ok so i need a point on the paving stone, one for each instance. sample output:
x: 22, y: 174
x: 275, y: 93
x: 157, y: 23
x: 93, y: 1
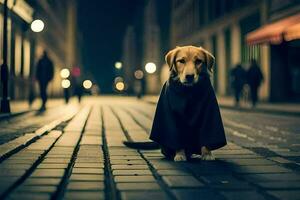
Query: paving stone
x: 245, y: 195
x: 129, y: 166
x: 29, y: 196
x: 85, y: 185
x: 89, y: 160
x: 135, y: 186
x: 167, y: 172
x: 145, y: 195
x: 36, y: 189
x: 19, y: 161
x: 14, y: 166
x: 88, y: 170
x: 164, y: 165
x: 128, y: 179
x: 184, y: 194
x: 48, y: 173
x: 87, y: 177
x: 272, y: 177
x: 91, y: 140
x: 246, y: 161
x: 124, y: 162
x: 280, y: 185
x: 12, y: 172
x: 52, y: 166
x: 182, y: 181
x: 260, y: 169
x: 42, y: 181
x: 89, y: 165
x: 56, y: 160
x: 131, y: 172
x: 280, y: 160
x: 82, y: 195
x: 125, y: 157
x: 286, y: 194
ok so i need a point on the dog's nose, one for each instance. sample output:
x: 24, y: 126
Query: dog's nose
x: 189, y: 78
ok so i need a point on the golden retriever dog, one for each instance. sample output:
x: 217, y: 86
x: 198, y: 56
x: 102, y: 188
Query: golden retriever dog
x: 187, y: 119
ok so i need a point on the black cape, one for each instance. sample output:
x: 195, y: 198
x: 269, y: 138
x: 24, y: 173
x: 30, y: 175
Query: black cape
x: 188, y: 117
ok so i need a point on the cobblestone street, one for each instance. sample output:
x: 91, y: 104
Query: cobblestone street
x: 76, y: 152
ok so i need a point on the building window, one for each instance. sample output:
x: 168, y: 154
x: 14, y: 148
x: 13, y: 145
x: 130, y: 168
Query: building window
x: 26, y: 61
x: 18, y: 54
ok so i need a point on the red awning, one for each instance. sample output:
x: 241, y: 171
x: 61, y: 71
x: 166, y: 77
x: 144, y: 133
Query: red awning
x: 286, y: 29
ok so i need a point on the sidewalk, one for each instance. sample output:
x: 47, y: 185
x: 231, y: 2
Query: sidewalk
x: 18, y: 107
x: 80, y: 155
x: 263, y: 107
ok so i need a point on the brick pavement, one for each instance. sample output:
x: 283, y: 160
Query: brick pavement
x: 81, y: 156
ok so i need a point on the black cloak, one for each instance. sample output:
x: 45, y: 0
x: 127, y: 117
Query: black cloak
x: 188, y: 117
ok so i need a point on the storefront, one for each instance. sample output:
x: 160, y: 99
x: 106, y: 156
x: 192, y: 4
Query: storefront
x: 283, y: 38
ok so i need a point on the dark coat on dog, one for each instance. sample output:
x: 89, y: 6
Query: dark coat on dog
x: 188, y: 117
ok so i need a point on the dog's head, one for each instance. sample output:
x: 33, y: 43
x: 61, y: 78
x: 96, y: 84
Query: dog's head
x: 187, y: 62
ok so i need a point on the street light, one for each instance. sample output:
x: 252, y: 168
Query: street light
x: 65, y: 83
x: 120, y: 86
x: 87, y: 84
x: 37, y: 25
x: 118, y: 65
x: 150, y: 67
x: 65, y: 73
x: 5, y: 107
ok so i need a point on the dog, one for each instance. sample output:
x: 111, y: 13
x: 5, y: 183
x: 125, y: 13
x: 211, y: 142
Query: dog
x: 187, y: 119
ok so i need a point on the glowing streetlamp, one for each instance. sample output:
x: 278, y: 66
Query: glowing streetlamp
x: 64, y: 73
x: 65, y: 83
x: 120, y: 86
x: 37, y: 25
x: 139, y: 74
x: 87, y: 84
x: 118, y: 65
x: 150, y: 68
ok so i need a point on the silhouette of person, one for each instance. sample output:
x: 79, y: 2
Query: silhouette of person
x: 238, y: 80
x: 78, y: 91
x: 44, y: 74
x: 254, y: 77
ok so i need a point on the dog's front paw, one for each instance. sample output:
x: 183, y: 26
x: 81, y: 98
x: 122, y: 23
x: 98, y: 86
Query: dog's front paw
x: 180, y: 156
x: 206, y: 154
x: 208, y: 157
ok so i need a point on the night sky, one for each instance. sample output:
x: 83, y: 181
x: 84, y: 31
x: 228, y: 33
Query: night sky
x: 102, y: 25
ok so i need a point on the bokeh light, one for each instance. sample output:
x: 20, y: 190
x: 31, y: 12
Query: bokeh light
x: 65, y: 83
x: 64, y: 73
x: 139, y: 74
x: 87, y: 84
x: 37, y: 25
x: 118, y: 65
x: 150, y: 67
x: 120, y: 86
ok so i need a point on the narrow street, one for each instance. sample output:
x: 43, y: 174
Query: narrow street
x: 76, y: 152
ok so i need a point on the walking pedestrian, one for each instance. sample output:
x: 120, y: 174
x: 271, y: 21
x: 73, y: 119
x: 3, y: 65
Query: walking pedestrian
x: 255, y: 78
x: 238, y: 80
x: 44, y: 74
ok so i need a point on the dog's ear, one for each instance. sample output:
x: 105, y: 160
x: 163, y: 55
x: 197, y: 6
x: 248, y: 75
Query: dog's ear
x: 210, y: 59
x: 170, y: 58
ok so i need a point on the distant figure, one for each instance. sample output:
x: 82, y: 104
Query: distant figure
x: 78, y: 91
x: 44, y: 74
x: 238, y: 80
x: 254, y: 77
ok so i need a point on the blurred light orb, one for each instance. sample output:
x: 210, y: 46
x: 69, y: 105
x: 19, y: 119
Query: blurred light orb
x: 87, y: 84
x: 65, y: 73
x: 150, y: 67
x: 65, y: 83
x: 119, y: 79
x: 139, y: 74
x: 118, y: 65
x: 37, y: 25
x: 120, y: 86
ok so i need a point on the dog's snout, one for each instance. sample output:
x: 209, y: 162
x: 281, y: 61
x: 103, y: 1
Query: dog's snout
x: 189, y: 78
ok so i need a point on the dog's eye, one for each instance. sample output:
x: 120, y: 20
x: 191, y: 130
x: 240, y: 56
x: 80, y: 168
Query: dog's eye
x: 198, y: 61
x: 181, y: 61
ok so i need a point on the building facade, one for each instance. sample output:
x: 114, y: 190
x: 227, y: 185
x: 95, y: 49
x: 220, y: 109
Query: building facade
x: 25, y: 47
x: 222, y: 26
